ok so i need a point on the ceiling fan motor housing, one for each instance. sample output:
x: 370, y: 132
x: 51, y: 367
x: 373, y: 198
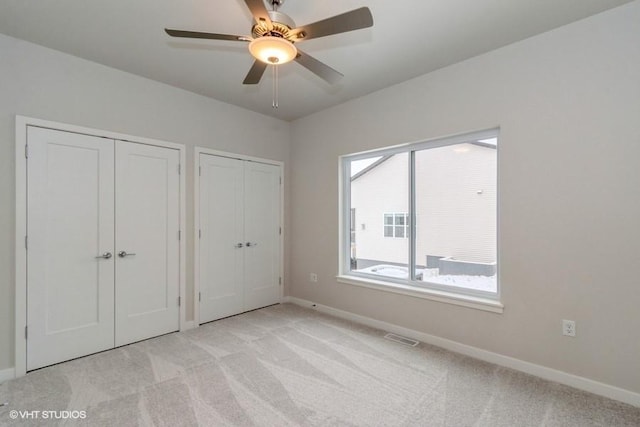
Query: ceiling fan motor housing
x: 282, y: 26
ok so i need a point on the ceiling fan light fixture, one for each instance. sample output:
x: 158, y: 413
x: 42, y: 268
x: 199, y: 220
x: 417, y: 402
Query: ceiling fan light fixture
x: 273, y: 50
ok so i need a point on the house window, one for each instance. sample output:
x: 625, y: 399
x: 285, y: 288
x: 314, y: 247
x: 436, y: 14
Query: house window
x: 396, y: 225
x: 438, y: 205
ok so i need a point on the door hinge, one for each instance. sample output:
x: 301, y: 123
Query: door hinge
x: 26, y: 151
x: 179, y: 301
x: 26, y: 242
x: 279, y: 280
x: 179, y: 234
x: 26, y: 332
x: 199, y: 296
x: 280, y: 232
x: 199, y: 234
x: 179, y: 169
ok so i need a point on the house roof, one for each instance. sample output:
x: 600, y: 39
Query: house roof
x: 492, y: 144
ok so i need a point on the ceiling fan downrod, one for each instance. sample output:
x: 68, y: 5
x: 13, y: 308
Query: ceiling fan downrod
x: 275, y: 4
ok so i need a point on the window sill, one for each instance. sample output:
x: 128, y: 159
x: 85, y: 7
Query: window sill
x: 468, y: 301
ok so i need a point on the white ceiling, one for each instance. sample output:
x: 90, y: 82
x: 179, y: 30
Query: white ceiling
x: 409, y: 38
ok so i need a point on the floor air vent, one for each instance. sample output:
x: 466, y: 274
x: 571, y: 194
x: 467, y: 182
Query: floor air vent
x: 402, y: 340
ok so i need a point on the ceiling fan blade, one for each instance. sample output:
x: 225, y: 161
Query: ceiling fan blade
x: 255, y: 73
x: 259, y: 12
x: 198, y: 35
x: 320, y: 69
x: 349, y: 21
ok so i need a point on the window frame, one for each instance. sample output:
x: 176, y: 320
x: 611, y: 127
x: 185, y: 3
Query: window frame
x: 410, y: 285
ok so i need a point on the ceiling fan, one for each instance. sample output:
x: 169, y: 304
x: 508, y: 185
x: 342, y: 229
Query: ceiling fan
x: 274, y: 34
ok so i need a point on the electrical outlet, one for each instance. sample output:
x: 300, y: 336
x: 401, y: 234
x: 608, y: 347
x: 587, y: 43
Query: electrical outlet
x: 569, y: 328
x: 313, y: 277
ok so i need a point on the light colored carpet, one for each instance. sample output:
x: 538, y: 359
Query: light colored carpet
x: 289, y: 366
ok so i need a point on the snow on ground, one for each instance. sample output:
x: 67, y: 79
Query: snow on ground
x: 430, y: 275
x: 480, y: 283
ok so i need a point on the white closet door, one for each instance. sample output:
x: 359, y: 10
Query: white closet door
x: 147, y: 246
x: 221, y: 243
x: 262, y: 235
x: 70, y: 225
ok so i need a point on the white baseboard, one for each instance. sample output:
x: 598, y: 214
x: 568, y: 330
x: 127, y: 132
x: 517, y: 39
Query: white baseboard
x: 7, y: 374
x: 544, y: 372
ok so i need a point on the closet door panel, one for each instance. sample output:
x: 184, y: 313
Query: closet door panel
x: 221, y: 243
x: 147, y: 241
x: 70, y: 287
x: 261, y: 232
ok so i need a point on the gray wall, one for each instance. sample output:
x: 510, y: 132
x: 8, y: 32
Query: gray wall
x: 47, y: 84
x: 568, y: 105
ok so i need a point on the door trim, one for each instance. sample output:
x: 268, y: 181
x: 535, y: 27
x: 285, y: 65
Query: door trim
x: 196, y: 208
x: 22, y: 122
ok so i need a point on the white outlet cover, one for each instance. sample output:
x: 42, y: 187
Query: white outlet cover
x: 568, y: 328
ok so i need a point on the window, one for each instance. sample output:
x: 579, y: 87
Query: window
x: 396, y: 225
x: 427, y: 214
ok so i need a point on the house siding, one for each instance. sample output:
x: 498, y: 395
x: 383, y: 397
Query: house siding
x: 455, y: 205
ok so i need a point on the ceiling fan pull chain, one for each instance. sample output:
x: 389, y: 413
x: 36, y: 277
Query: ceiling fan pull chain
x: 275, y: 86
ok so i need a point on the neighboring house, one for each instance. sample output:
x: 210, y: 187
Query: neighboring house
x: 455, y: 206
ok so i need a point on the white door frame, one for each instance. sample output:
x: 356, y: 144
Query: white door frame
x: 22, y: 123
x: 196, y: 208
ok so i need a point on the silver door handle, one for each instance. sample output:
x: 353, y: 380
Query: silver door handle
x: 105, y: 255
x: 249, y: 244
x: 239, y: 245
x: 123, y: 254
